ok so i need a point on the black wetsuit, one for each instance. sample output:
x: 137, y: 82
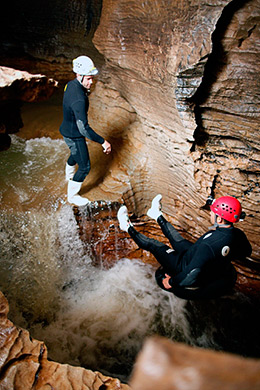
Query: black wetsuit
x: 75, y: 127
x: 195, y: 264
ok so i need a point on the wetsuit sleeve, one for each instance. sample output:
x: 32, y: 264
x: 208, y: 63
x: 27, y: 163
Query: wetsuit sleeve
x: 82, y: 122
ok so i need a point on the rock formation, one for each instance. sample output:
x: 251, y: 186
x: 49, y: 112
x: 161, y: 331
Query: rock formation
x: 189, y: 73
x: 166, y: 365
x: 177, y: 96
x: 16, y: 87
x: 24, y: 364
x: 162, y: 364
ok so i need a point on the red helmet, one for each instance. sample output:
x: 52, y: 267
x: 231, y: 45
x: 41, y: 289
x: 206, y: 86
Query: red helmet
x: 227, y: 207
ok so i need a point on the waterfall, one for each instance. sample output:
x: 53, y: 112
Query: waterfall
x: 92, y: 316
x: 88, y: 316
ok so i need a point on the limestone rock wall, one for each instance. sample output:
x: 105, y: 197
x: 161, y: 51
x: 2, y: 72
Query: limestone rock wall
x: 190, y: 72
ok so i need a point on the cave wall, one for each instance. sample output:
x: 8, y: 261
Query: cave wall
x: 177, y: 94
x: 45, y: 36
x: 190, y: 72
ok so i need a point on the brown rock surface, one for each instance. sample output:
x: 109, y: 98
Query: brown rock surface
x: 16, y: 87
x: 24, y: 364
x: 21, y: 85
x: 190, y: 72
x: 165, y: 365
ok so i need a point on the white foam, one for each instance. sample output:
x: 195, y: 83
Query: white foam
x: 87, y: 316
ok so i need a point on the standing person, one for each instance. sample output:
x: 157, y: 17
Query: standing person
x: 195, y: 270
x: 75, y: 127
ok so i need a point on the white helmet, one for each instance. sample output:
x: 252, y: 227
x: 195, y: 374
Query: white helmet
x: 84, y: 66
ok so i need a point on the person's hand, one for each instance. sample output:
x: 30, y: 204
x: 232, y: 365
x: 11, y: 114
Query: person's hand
x: 107, y: 147
x: 166, y: 283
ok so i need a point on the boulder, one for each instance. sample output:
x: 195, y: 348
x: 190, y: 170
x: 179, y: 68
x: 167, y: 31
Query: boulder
x: 166, y: 365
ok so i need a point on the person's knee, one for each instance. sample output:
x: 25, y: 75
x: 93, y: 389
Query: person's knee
x: 71, y: 161
x: 84, y: 169
x: 82, y: 172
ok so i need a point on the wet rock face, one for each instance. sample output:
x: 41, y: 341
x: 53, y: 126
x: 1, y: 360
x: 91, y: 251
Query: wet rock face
x: 103, y: 239
x: 190, y: 73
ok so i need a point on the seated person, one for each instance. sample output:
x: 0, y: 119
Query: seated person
x: 195, y: 270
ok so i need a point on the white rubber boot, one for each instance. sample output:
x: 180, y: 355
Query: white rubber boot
x: 123, y: 219
x: 69, y: 171
x: 73, y: 197
x: 155, y: 211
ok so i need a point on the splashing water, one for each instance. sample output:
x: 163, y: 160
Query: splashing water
x: 94, y: 317
x: 87, y: 316
x: 29, y: 173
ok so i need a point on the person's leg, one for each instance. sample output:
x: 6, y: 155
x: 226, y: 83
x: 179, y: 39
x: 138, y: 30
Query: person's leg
x: 71, y: 161
x: 79, y: 155
x: 144, y: 242
x: 179, y: 243
x: 70, y: 168
x: 82, y: 159
x: 165, y: 255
